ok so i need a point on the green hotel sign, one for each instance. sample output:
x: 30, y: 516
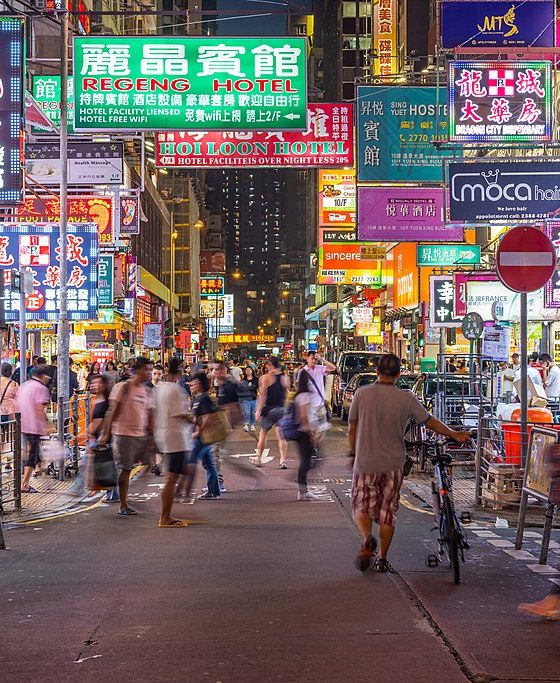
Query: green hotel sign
x: 156, y: 83
x: 447, y: 254
x: 46, y: 92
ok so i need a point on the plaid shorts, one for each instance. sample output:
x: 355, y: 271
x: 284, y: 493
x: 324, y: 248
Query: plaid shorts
x: 377, y: 495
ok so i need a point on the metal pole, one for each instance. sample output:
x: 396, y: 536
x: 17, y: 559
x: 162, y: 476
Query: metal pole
x: 335, y: 345
x: 523, y: 397
x: 22, y: 330
x: 172, y: 271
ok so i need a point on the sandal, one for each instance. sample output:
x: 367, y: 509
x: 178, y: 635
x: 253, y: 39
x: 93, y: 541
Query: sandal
x: 365, y: 556
x: 174, y: 524
x: 126, y: 512
x: 256, y: 462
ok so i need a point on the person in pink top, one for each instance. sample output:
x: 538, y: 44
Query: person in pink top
x: 33, y: 400
x: 8, y: 396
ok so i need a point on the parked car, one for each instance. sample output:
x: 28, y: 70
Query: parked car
x: 364, y: 378
x: 351, y: 363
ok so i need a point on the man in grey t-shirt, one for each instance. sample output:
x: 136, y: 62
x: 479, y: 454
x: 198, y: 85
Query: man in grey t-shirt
x: 378, y: 419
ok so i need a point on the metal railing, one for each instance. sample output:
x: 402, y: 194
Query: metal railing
x: 73, y: 418
x: 10, y: 464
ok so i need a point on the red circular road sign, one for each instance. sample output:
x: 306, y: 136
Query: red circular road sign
x: 526, y: 259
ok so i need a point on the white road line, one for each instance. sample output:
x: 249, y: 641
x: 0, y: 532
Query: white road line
x: 520, y: 555
x: 501, y: 543
x: 542, y: 569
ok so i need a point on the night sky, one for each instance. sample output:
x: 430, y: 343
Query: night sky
x: 262, y: 25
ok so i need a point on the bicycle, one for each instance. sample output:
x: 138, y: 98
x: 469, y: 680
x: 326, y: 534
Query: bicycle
x: 452, y: 539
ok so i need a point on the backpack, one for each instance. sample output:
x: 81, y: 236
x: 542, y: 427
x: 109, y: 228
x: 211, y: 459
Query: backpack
x: 289, y: 424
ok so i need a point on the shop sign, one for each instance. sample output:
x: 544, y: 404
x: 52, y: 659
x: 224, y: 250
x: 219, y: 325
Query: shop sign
x: 479, y: 296
x: 504, y: 191
x: 106, y: 315
x: 99, y: 163
x: 212, y: 261
x: 442, y: 297
x: 101, y: 355
x: 81, y: 209
x: 491, y: 23
x: 447, y: 254
x: 106, y: 280
x: 245, y: 338
x: 338, y: 234
x: 129, y: 216
x: 552, y: 287
x: 342, y: 264
x: 337, y: 198
x: 328, y: 141
x: 362, y: 315
x: 500, y: 101
x: 212, y: 285
x: 225, y: 323
x: 385, y: 45
x: 403, y: 214
x: 36, y: 246
x: 169, y: 83
x: 405, y: 277
x: 46, y: 92
x: 372, y: 251
x: 371, y: 329
x: 212, y: 308
x: 496, y: 342
x: 12, y: 61
x: 153, y: 335
x: 397, y: 127
x: 348, y: 322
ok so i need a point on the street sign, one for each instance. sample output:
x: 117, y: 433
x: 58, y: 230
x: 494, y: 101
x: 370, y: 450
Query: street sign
x: 372, y: 252
x: 526, y: 259
x: 166, y: 83
x: 447, y: 254
x: 472, y: 326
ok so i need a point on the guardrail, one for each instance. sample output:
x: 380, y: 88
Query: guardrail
x: 73, y: 417
x: 10, y: 464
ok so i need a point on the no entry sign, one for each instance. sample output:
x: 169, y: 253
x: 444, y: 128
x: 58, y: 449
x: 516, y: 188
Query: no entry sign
x: 526, y: 259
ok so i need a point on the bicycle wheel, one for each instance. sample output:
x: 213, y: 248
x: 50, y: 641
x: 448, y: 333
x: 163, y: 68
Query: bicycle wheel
x: 452, y: 539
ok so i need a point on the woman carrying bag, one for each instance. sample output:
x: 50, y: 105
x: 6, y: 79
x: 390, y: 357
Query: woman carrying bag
x: 103, y: 472
x: 305, y: 415
x: 8, y: 399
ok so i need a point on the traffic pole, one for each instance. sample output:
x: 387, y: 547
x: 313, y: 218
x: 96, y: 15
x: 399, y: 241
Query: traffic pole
x: 63, y: 372
x: 524, y: 401
x: 22, y: 330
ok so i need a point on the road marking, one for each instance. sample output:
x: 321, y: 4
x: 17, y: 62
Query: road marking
x: 264, y: 459
x: 542, y: 569
x: 501, y: 543
x: 485, y: 534
x: 520, y: 555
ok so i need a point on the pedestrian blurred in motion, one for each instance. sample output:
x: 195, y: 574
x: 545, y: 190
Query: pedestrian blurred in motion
x: 8, y: 400
x: 173, y: 436
x: 235, y: 371
x: 273, y: 387
x: 306, y: 419
x: 318, y: 368
x: 248, y: 402
x: 99, y: 406
x: 33, y: 401
x: 129, y: 422
x: 229, y: 393
x: 111, y: 374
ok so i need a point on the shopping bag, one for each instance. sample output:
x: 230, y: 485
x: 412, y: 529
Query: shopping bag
x: 52, y: 450
x: 215, y: 428
x: 104, y: 471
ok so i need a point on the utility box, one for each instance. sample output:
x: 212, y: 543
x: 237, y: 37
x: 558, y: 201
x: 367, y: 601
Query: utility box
x: 428, y: 364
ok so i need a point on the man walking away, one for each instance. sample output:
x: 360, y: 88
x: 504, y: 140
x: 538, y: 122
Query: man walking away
x: 235, y: 371
x: 173, y: 437
x: 33, y: 399
x: 379, y: 416
x: 130, y: 421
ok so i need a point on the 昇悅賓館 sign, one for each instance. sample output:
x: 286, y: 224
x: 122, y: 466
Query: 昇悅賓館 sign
x: 172, y: 83
x: 403, y: 214
x: 328, y: 141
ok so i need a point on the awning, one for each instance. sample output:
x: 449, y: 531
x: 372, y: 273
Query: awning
x: 398, y: 314
x: 34, y: 116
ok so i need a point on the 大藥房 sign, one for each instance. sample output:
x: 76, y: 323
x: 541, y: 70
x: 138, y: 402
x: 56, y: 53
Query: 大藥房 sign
x: 337, y: 197
x: 403, y: 214
x: 447, y: 254
x: 36, y: 246
x: 106, y: 280
x: 504, y: 190
x: 328, y: 141
x: 500, y: 101
x: 98, y: 163
x: 491, y: 23
x: 442, y: 297
x: 46, y: 92
x: 199, y: 83
x: 12, y: 62
x: 81, y: 209
x: 396, y: 130
x: 212, y: 285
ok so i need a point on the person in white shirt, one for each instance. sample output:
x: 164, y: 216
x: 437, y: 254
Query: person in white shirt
x: 552, y: 384
x: 173, y: 436
x: 236, y: 372
x: 533, y: 374
x: 318, y: 368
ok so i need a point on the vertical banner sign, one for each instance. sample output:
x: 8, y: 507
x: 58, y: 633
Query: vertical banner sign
x: 130, y: 216
x: 397, y: 128
x: 168, y: 83
x: 212, y: 285
x: 106, y: 270
x: 500, y: 101
x: 552, y: 287
x: 12, y: 63
x: 46, y: 92
x: 442, y: 297
x: 337, y: 198
x: 385, y: 37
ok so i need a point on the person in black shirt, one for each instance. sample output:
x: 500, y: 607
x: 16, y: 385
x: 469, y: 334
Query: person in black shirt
x: 248, y: 400
x: 100, y: 405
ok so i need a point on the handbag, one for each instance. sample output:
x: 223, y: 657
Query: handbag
x: 215, y: 428
x: 329, y: 411
x: 289, y: 424
x: 104, y: 474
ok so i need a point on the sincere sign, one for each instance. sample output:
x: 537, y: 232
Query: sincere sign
x: 492, y: 23
x: 12, y: 61
x: 37, y: 247
x: 328, y: 141
x: 447, y: 254
x: 504, y: 190
x: 337, y: 197
x: 212, y: 285
x: 442, y: 295
x: 397, y: 127
x: 343, y: 264
x: 168, y: 83
x: 46, y: 92
x: 403, y: 214
x: 500, y: 101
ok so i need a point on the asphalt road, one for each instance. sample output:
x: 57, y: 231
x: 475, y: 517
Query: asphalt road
x: 261, y: 588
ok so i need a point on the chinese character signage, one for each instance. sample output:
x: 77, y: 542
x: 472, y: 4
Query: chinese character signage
x: 328, y: 141
x: 12, y: 61
x: 403, y: 214
x: 168, y: 83
x: 504, y: 191
x: 212, y: 308
x: 46, y: 92
x: 212, y: 261
x: 81, y: 209
x: 442, y: 296
x: 552, y: 287
x: 36, y: 246
x: 499, y: 101
x: 212, y: 285
x: 224, y: 323
x: 492, y: 23
x: 129, y: 216
x: 385, y: 46
x: 341, y: 263
x: 447, y: 254
x: 397, y: 127
x: 98, y: 163
x: 245, y: 338
x: 106, y: 279
x: 337, y: 197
